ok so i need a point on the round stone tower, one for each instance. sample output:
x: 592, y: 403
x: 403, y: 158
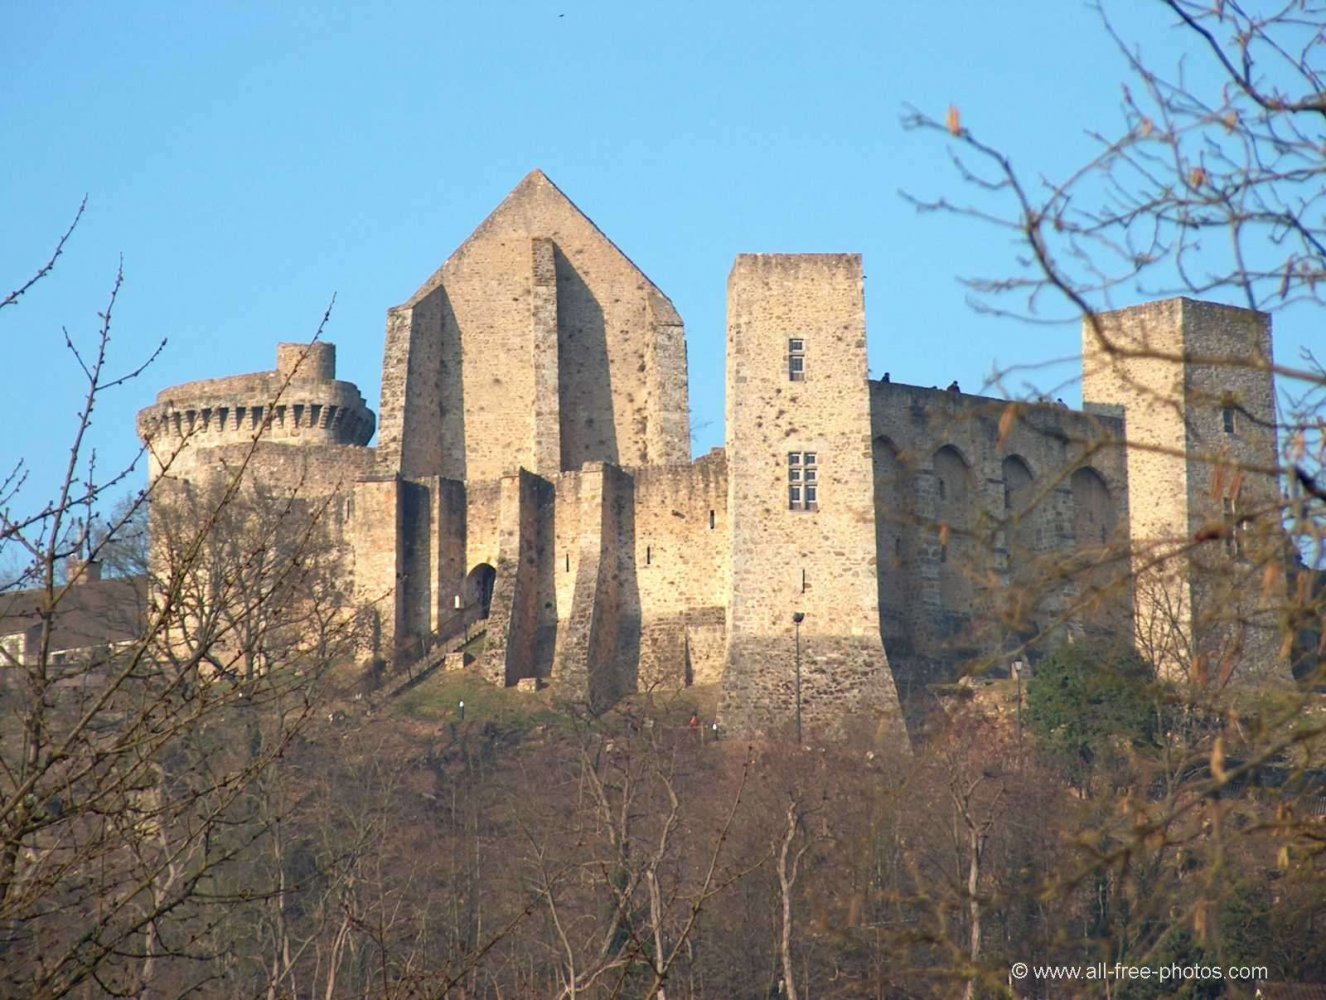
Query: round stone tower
x: 195, y: 427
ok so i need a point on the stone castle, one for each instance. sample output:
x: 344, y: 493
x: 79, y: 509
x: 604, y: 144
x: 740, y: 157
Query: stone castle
x: 853, y: 541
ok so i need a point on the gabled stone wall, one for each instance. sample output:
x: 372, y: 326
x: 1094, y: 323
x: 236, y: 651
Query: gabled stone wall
x: 538, y: 344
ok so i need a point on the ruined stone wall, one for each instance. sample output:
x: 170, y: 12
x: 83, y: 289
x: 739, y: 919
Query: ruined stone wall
x: 450, y: 555
x: 516, y: 648
x: 422, y: 422
x: 681, y: 536
x: 482, y: 506
x: 414, y: 587
x: 598, y: 643
x: 819, y: 562
x: 1177, y: 368
x: 682, y: 547
x: 377, y: 543
x: 977, y: 526
x: 472, y: 363
x: 706, y: 645
x: 566, y: 546
x: 429, y: 566
x: 642, y: 559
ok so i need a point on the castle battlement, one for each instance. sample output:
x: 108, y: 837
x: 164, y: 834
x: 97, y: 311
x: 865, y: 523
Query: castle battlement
x: 301, y: 401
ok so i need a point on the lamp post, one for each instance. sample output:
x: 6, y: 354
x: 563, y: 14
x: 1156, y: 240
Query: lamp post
x: 797, y: 618
x: 1017, y: 672
x: 462, y: 710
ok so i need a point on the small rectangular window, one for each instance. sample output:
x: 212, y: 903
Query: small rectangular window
x: 1227, y: 416
x: 1234, y: 528
x: 796, y: 359
x: 802, y: 480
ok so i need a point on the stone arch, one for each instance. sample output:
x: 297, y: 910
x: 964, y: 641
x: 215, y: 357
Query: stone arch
x: 1021, y: 519
x: 1094, y: 514
x: 895, y: 533
x: 954, y: 497
x: 1097, y: 578
x: 479, y: 588
x: 952, y: 477
x: 1017, y: 478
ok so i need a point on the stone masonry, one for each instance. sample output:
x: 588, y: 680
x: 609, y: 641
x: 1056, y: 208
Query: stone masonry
x: 855, y: 540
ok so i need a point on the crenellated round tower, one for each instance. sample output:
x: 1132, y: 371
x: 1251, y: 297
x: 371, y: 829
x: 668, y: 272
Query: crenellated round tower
x: 196, y: 426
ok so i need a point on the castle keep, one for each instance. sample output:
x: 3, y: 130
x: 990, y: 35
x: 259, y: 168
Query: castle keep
x: 533, y: 470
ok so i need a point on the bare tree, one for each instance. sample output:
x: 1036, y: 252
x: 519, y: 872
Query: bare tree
x: 1210, y: 184
x: 132, y: 746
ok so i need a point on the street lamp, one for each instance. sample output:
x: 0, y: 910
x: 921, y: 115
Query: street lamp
x: 462, y: 710
x: 797, y: 618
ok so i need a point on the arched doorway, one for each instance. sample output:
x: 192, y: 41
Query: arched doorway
x: 479, y: 588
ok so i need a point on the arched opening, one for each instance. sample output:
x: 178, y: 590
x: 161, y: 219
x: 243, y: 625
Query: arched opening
x: 1093, y: 509
x: 479, y: 589
x: 1094, y: 523
x: 1021, y: 528
x: 1025, y: 589
x: 891, y: 504
x: 895, y: 528
x: 952, y: 507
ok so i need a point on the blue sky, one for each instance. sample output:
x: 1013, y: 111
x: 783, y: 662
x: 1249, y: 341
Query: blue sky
x: 250, y: 160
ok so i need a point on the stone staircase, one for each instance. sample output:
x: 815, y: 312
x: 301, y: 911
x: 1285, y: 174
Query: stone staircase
x: 446, y: 642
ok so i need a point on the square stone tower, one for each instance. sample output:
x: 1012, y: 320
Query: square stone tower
x: 1194, y: 383
x: 801, y: 504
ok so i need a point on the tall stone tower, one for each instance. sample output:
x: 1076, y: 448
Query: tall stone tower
x: 803, y: 639
x: 1193, y: 381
